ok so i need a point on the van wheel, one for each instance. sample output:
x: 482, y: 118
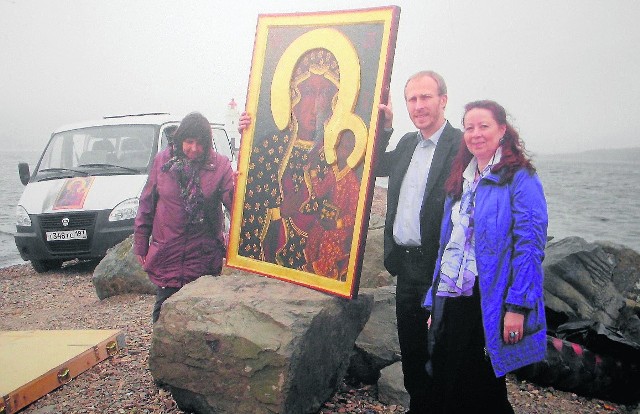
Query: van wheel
x: 42, y: 266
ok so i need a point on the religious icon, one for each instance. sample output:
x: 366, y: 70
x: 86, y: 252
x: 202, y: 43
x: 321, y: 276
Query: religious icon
x: 305, y: 186
x: 73, y: 193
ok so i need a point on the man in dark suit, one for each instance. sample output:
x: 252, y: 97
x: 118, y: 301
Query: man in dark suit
x: 417, y: 169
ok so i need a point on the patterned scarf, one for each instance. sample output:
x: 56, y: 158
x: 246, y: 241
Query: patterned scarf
x: 188, y: 176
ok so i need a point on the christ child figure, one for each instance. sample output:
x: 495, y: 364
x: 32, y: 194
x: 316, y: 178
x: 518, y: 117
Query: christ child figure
x: 328, y: 245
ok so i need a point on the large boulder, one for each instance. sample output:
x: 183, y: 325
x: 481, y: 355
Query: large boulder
x: 579, y: 284
x: 377, y: 345
x: 391, y: 389
x: 373, y: 273
x: 119, y: 273
x: 571, y: 367
x: 626, y: 274
x: 242, y: 343
x: 626, y: 277
x: 591, y: 292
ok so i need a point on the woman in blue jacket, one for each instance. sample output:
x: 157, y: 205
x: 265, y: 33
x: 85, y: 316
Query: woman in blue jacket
x: 486, y: 301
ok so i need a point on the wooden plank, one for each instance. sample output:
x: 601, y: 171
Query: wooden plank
x: 35, y: 363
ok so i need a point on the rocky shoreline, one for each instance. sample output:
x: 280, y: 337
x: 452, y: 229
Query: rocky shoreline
x: 122, y: 384
x: 67, y: 299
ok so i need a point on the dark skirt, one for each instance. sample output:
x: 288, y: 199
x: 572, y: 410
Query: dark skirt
x: 464, y: 380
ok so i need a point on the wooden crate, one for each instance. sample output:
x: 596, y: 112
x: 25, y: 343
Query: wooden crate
x: 35, y: 363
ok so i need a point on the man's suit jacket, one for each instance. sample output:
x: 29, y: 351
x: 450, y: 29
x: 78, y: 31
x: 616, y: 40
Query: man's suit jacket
x: 394, y: 164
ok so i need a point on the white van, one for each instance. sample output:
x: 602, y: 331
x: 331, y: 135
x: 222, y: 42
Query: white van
x: 82, y: 196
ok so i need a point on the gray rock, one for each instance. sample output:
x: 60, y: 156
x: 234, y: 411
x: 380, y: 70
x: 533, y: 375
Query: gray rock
x: 373, y: 273
x: 377, y: 345
x: 626, y: 278
x: 579, y: 283
x: 243, y: 343
x: 119, y: 273
x: 391, y: 386
x: 376, y: 221
x: 590, y: 297
x: 626, y: 274
x: 574, y: 368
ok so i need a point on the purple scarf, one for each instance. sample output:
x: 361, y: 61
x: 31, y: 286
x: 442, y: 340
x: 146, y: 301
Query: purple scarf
x: 188, y: 176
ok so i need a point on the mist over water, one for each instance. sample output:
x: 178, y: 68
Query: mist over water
x: 591, y: 197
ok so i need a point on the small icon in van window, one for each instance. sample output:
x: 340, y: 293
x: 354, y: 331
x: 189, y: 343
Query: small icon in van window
x: 73, y: 193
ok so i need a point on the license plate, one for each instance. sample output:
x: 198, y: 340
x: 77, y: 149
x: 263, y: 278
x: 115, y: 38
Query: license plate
x: 66, y: 235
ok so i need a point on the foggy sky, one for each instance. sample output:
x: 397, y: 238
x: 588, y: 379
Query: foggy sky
x: 566, y: 71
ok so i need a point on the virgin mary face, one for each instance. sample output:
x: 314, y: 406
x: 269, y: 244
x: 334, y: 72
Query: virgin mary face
x: 314, y: 108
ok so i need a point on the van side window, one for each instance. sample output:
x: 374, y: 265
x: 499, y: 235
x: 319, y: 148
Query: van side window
x: 165, y: 136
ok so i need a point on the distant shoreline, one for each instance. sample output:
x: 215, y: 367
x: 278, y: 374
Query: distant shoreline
x: 604, y: 154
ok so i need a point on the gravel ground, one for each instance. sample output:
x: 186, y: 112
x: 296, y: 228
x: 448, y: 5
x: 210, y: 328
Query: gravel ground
x: 122, y: 384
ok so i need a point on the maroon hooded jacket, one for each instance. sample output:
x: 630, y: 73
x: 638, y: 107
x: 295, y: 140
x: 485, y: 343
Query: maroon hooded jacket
x: 180, y: 253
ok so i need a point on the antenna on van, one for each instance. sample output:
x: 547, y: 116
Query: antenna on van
x: 143, y: 114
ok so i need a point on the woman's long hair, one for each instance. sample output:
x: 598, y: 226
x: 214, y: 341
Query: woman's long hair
x: 514, y: 155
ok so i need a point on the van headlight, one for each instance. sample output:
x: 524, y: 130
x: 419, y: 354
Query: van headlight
x: 126, y: 210
x: 22, y: 217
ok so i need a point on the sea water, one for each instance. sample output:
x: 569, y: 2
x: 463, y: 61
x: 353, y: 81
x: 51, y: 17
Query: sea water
x: 590, y: 198
x: 11, y: 189
x: 598, y: 200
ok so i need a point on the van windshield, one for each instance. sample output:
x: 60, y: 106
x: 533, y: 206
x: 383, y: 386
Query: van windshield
x: 118, y: 149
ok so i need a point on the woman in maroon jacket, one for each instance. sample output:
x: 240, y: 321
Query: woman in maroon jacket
x: 181, y: 209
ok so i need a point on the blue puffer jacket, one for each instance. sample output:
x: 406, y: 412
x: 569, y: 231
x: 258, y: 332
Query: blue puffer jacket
x: 510, y: 236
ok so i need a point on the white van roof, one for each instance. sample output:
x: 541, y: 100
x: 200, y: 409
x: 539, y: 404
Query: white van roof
x: 155, y: 118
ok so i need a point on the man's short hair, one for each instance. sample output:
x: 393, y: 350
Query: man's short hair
x: 442, y: 86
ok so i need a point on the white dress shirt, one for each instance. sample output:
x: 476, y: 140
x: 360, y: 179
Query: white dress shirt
x: 406, y: 227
